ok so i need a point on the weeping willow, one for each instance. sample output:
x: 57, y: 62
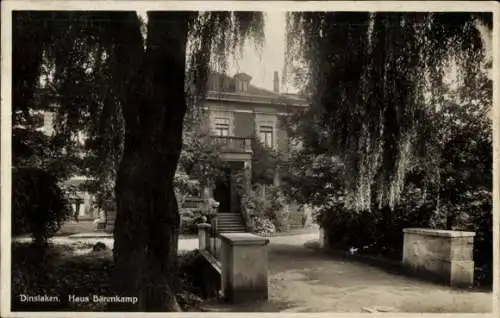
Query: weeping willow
x: 127, y: 82
x: 372, y: 79
x: 72, y: 53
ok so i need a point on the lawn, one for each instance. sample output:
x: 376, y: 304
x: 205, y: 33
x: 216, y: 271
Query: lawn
x: 73, y: 269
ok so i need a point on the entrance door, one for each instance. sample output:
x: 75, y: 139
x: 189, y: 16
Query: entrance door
x: 222, y: 194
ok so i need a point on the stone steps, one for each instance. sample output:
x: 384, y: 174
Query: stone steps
x: 230, y: 223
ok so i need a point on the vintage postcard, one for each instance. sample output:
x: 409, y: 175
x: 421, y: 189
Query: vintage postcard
x: 249, y: 157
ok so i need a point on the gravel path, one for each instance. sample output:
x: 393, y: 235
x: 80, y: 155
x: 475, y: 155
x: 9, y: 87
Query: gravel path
x: 308, y: 280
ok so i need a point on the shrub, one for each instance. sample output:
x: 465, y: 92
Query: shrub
x: 379, y: 231
x: 263, y: 226
x: 276, y: 209
x: 198, y: 280
x: 478, y: 217
x: 253, y: 203
x: 190, y: 218
x: 39, y: 206
x: 271, y: 206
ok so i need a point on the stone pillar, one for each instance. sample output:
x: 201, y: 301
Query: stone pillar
x: 244, y: 267
x: 204, y: 236
x: 446, y: 255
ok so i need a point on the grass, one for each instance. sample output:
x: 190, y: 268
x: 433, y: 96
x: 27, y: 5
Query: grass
x: 62, y: 270
x: 56, y: 271
x: 83, y: 226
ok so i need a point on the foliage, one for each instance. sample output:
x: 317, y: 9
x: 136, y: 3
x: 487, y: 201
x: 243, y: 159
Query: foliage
x: 190, y: 218
x: 39, y: 206
x: 378, y: 231
x: 200, y: 165
x: 265, y: 162
x: 458, y: 196
x: 253, y: 203
x: 199, y: 279
x: 464, y: 144
x: 200, y: 157
x: 104, y: 148
x: 185, y: 186
x: 32, y: 148
x: 269, y: 205
x: 373, y: 114
x: 263, y: 226
x: 447, y: 179
x: 276, y: 209
x: 310, y: 163
x: 57, y: 271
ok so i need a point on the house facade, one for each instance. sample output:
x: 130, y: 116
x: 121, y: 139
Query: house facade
x: 238, y: 112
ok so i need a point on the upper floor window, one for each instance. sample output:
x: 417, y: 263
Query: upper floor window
x: 222, y: 127
x: 266, y: 135
x: 241, y: 85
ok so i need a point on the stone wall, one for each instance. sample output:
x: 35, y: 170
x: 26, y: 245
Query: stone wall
x: 444, y: 255
x: 244, y: 267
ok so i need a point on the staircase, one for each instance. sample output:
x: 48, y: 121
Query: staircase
x: 230, y: 223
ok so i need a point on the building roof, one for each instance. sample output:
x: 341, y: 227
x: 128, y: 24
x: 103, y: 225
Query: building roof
x: 227, y: 90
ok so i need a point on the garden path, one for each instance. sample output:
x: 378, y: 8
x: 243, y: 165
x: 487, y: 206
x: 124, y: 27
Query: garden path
x: 308, y: 280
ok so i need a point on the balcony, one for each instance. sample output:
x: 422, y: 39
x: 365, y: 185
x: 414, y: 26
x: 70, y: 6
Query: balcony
x: 233, y: 144
x: 234, y: 148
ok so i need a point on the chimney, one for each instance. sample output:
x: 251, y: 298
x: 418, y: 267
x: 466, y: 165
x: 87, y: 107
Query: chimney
x: 276, y: 83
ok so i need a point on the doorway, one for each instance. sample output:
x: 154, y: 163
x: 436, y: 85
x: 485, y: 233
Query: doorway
x: 222, y: 194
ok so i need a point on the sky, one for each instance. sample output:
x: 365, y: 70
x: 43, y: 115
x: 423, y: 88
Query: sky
x: 262, y: 65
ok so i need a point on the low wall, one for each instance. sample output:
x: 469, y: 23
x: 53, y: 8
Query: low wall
x: 444, y: 255
x: 234, y: 264
x: 244, y: 267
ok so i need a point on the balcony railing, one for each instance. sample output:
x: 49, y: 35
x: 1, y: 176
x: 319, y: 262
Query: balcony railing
x: 233, y: 144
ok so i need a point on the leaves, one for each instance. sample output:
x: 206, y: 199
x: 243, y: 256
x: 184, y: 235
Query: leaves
x: 369, y: 76
x: 200, y: 158
x: 39, y: 206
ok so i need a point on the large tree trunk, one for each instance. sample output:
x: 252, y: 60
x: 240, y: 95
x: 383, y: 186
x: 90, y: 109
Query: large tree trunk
x: 147, y: 221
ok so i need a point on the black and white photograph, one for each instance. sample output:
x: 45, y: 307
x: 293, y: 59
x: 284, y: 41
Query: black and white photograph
x: 248, y: 157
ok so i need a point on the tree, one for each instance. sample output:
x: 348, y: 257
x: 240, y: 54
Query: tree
x: 39, y: 205
x: 446, y: 180
x: 265, y: 161
x: 312, y: 174
x: 462, y: 149
x: 200, y: 163
x: 152, y: 95
x: 200, y: 157
x: 368, y: 74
